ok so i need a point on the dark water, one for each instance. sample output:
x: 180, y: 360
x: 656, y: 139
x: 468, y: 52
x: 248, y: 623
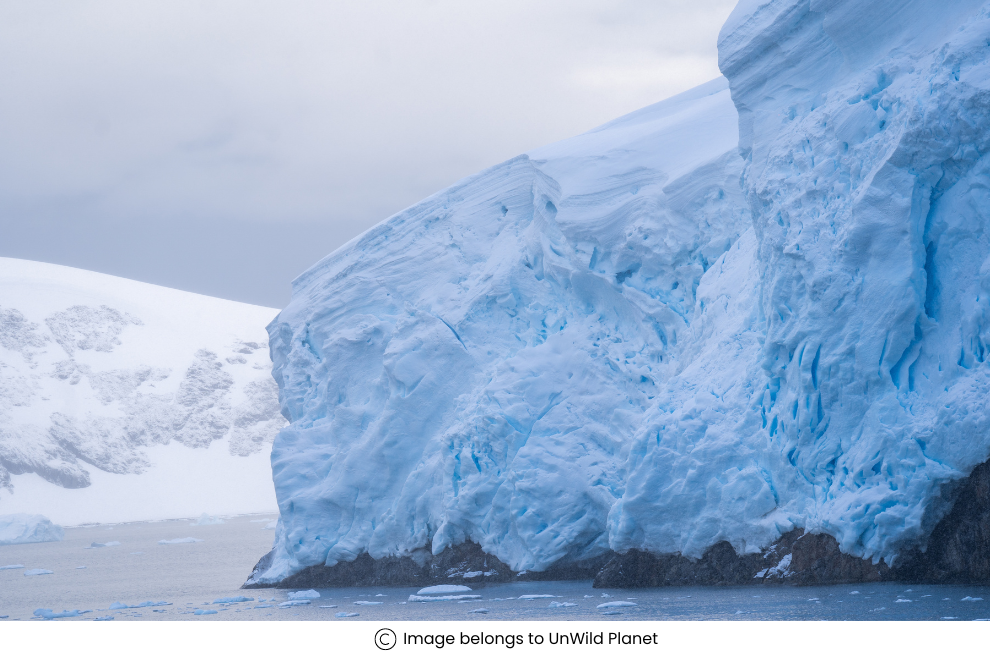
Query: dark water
x: 191, y: 576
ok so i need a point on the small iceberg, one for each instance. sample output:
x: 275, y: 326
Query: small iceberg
x: 188, y: 539
x: 301, y: 595
x: 64, y: 614
x: 232, y: 599
x: 432, y: 599
x: 17, y: 528
x: 617, y: 603
x: 443, y: 589
x: 202, y: 612
x: 208, y: 520
x: 37, y: 571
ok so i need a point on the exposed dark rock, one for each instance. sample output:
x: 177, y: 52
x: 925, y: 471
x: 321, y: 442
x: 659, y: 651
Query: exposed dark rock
x: 796, y: 558
x: 958, y: 550
x: 463, y: 564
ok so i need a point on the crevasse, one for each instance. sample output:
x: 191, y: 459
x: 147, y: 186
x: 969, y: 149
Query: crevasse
x: 755, y: 306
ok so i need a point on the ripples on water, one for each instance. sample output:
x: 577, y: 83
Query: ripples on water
x: 129, y: 566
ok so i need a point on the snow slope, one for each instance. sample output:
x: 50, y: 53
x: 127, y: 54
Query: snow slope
x: 687, y: 326
x: 127, y: 401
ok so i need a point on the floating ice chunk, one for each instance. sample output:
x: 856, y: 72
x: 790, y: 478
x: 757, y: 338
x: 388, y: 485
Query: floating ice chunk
x: 970, y: 599
x: 948, y: 618
x: 367, y: 602
x: 293, y: 603
x: 37, y: 571
x: 232, y: 599
x: 298, y: 595
x: 272, y: 525
x: 79, y: 568
x: 586, y: 596
x: 617, y: 603
x: 606, y: 596
x: 104, y: 618
x: 472, y: 574
x: 16, y: 528
x: 202, y: 612
x: 10, y: 567
x: 148, y: 603
x: 208, y: 520
x: 347, y: 614
x: 739, y: 612
x: 535, y: 596
x: 188, y: 539
x: 443, y: 589
x: 431, y: 599
x: 108, y: 544
x: 610, y: 613
x: 559, y: 604
x: 328, y: 607
x: 480, y: 610
x: 49, y: 614
x: 903, y: 600
x: 263, y: 607
x: 853, y: 593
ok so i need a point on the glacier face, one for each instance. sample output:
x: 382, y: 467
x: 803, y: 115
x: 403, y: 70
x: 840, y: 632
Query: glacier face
x: 474, y: 367
x: 105, y: 382
x: 716, y: 319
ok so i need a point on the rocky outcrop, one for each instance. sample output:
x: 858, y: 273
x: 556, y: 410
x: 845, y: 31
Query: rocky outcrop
x: 958, y: 550
x: 797, y: 558
x: 466, y: 563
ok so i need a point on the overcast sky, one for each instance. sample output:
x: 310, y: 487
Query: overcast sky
x: 224, y: 146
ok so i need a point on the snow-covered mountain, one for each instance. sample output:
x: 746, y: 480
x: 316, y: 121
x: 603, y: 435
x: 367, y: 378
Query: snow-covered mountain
x: 121, y: 400
x: 721, y: 318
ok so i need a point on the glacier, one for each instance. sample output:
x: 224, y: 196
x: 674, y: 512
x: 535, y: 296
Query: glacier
x: 757, y: 307
x: 122, y: 401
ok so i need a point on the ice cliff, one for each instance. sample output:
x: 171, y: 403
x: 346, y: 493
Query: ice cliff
x: 758, y: 306
x: 24, y: 528
x: 126, y: 401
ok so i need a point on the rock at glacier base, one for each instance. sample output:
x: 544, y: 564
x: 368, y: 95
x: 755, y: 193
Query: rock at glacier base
x: 16, y: 528
x: 465, y: 563
x: 958, y: 551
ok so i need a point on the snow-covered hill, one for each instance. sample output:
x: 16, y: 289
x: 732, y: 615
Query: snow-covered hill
x: 121, y: 400
x: 685, y: 327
